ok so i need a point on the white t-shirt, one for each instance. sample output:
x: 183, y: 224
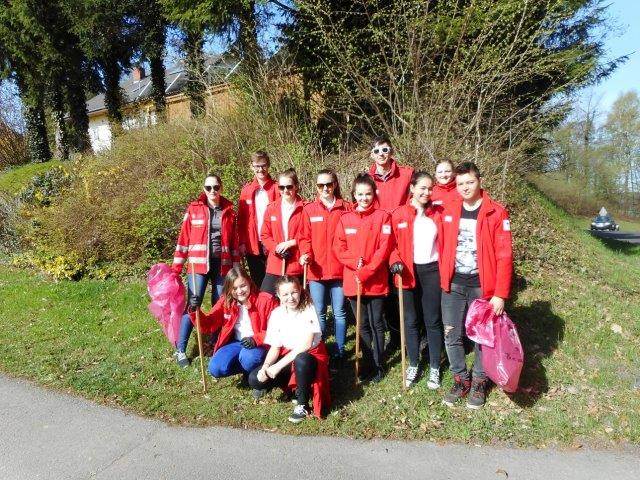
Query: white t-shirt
x: 425, y: 234
x: 289, y: 329
x: 261, y: 200
x: 243, y: 327
x: 286, y: 210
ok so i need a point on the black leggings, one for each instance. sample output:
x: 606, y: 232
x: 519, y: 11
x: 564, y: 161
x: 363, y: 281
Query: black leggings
x: 371, y: 332
x: 305, y: 366
x: 424, y: 301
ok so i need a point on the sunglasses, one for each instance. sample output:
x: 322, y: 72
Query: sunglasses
x: 282, y: 188
x: 215, y: 188
x: 379, y: 150
x: 322, y: 185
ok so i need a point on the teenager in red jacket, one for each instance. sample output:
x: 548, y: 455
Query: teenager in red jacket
x: 392, y: 191
x: 320, y: 219
x: 297, y: 359
x: 208, y: 244
x: 280, y: 231
x: 240, y: 319
x: 255, y: 196
x: 417, y: 228
x: 445, y: 188
x: 477, y: 262
x: 364, y: 241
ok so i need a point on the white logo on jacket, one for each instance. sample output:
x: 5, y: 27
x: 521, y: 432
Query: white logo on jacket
x: 386, y: 229
x: 448, y: 218
x: 403, y: 225
x: 350, y: 231
x: 316, y: 219
x: 506, y: 225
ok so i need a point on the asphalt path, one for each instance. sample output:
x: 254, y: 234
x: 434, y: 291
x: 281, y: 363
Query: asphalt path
x: 49, y: 435
x: 631, y: 237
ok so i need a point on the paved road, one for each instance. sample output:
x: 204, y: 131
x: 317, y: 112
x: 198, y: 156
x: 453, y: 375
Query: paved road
x: 631, y: 237
x: 48, y: 435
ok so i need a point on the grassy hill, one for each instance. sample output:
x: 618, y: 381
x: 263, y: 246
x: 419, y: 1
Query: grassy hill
x: 577, y: 307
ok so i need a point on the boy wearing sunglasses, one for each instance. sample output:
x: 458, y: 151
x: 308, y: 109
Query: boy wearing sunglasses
x: 392, y: 188
x: 254, y: 198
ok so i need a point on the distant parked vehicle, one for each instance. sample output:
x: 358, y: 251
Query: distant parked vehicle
x: 604, y: 221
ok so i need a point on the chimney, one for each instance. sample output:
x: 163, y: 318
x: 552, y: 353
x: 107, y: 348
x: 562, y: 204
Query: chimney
x: 138, y: 73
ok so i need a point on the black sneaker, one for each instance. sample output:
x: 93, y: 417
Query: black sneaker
x: 336, y: 362
x: 258, y: 393
x: 377, y: 378
x: 478, y: 394
x: 300, y: 412
x: 459, y: 390
x: 244, y: 381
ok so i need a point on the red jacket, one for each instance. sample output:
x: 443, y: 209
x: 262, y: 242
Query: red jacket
x: 193, y: 241
x: 493, y: 237
x: 443, y: 194
x: 320, y: 387
x: 394, y: 191
x: 317, y: 237
x: 259, y: 304
x: 272, y: 234
x: 402, y: 220
x: 248, y: 235
x: 365, y: 235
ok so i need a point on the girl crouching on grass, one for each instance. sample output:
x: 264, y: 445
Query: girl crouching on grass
x: 240, y: 315
x: 297, y: 360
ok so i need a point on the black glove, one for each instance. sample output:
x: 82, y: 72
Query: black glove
x: 396, y: 268
x: 248, y: 343
x: 194, y: 302
x: 286, y: 254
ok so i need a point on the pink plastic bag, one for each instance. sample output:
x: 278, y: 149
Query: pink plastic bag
x: 502, y: 354
x: 167, y: 299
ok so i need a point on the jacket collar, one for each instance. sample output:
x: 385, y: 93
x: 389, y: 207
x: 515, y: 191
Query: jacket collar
x: 367, y: 212
x: 255, y: 185
x: 486, y: 206
x: 340, y: 203
x: 224, y: 203
x: 447, y: 187
x: 393, y: 171
x: 299, y: 202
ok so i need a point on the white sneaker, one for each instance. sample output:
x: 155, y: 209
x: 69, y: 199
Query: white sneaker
x: 181, y: 359
x: 433, y: 383
x: 300, y: 412
x: 412, y: 376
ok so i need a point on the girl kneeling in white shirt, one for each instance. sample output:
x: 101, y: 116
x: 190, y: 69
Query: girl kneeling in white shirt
x: 297, y: 359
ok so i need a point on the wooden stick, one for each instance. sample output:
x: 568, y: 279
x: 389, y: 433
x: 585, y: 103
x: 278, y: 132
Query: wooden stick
x: 402, y: 339
x: 284, y: 265
x: 304, y: 276
x: 201, y: 350
x: 358, y: 319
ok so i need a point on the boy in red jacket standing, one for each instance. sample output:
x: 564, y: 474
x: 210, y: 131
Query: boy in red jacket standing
x: 392, y: 191
x: 254, y: 198
x: 477, y: 262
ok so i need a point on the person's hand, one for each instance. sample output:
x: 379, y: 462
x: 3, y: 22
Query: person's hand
x: 498, y: 305
x: 272, y: 371
x: 248, y: 343
x: 194, y: 302
x: 262, y: 375
x: 282, y: 247
x: 396, y: 268
x: 304, y: 259
x: 360, y: 263
x: 286, y: 254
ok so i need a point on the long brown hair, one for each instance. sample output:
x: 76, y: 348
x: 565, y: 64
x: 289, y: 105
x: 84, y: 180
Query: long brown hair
x: 305, y: 298
x: 227, y: 289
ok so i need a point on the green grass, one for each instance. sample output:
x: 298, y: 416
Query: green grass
x: 14, y: 179
x: 579, y: 322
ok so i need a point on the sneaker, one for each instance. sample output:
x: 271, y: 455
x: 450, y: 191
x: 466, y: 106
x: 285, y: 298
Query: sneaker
x: 258, y: 393
x: 336, y: 362
x: 459, y: 390
x: 244, y: 381
x: 377, y: 378
x: 181, y: 359
x: 412, y: 376
x: 300, y: 412
x: 478, y: 394
x: 433, y: 382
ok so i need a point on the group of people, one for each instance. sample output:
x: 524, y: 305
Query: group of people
x: 438, y: 242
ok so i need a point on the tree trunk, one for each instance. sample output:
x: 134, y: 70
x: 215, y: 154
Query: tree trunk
x: 248, y: 39
x: 57, y: 112
x: 158, y: 85
x: 194, y: 63
x: 113, y: 97
x: 76, y: 99
x: 35, y: 123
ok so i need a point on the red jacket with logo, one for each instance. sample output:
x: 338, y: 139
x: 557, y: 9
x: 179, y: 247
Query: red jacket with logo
x: 248, y: 235
x: 193, y: 241
x: 494, y: 251
x: 367, y: 235
x: 394, y: 191
x: 402, y: 220
x: 223, y: 319
x: 317, y: 237
x: 443, y: 194
x: 272, y: 234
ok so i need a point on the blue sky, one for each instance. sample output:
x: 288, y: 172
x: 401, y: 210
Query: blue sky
x: 623, y: 40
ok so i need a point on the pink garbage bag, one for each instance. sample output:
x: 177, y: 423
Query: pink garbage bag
x: 502, y: 354
x: 167, y: 299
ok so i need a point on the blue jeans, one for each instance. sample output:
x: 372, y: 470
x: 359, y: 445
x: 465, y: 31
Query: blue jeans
x: 217, y: 281
x: 233, y: 358
x: 320, y: 292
